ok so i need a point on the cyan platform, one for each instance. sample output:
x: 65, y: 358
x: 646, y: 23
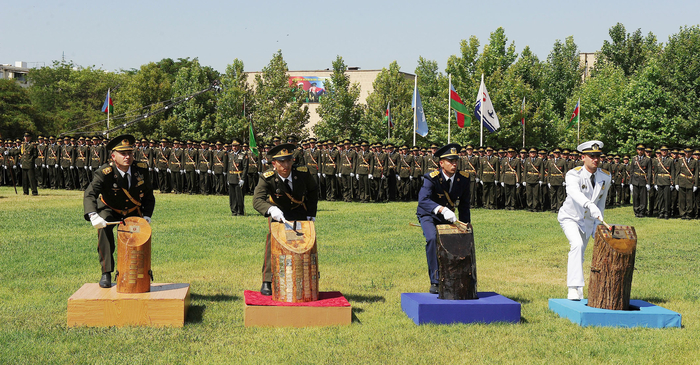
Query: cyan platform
x: 490, y: 307
x: 641, y: 314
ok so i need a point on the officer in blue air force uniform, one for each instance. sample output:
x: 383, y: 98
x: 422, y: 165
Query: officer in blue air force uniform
x: 443, y: 190
x: 586, y: 191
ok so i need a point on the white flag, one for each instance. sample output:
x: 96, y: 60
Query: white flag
x: 421, y: 123
x: 483, y: 102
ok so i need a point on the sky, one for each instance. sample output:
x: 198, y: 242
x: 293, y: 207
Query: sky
x: 115, y: 35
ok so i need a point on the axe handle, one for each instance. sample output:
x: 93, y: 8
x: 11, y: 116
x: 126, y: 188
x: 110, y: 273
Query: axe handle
x: 605, y: 224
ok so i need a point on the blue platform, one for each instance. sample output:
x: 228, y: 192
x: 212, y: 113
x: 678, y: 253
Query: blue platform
x: 641, y: 314
x: 490, y: 307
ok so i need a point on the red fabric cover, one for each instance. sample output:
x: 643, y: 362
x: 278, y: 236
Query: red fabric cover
x: 325, y: 299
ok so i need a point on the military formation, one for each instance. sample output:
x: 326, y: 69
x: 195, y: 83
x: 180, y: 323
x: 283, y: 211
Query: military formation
x: 659, y: 183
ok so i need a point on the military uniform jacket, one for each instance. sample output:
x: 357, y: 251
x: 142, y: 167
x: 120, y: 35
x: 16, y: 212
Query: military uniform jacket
x: 364, y: 162
x: 404, y: 165
x: 579, y: 192
x: 556, y: 171
x: 534, y: 170
x: 471, y: 165
x: 640, y: 170
x: 417, y: 166
x: 67, y: 156
x: 392, y: 163
x: 161, y: 158
x: 432, y: 194
x: 489, y: 169
x: 379, y: 164
x: 312, y: 157
x: 330, y: 162
x: 190, y: 159
x: 253, y: 162
x: 687, y: 175
x: 41, y: 157
x: 53, y: 154
x: 176, y: 159
x: 431, y: 163
x: 237, y: 167
x: 81, y: 156
x: 664, y: 170
x: 27, y: 154
x: 204, y: 160
x: 347, y: 162
x: 106, y: 195
x: 220, y: 160
x: 510, y: 171
x: 298, y: 157
x: 296, y: 204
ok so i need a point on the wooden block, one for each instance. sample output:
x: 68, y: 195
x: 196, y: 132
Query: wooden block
x: 274, y: 316
x: 164, y: 305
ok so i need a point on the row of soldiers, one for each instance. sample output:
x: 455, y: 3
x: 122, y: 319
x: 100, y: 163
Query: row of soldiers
x: 659, y: 183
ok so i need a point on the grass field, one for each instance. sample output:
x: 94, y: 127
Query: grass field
x: 367, y: 251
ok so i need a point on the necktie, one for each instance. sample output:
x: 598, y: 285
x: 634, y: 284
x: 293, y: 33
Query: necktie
x: 289, y: 184
x: 126, y: 181
x: 447, y: 185
x: 593, y: 180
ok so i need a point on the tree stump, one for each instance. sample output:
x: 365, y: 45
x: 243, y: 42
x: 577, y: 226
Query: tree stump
x: 612, y: 268
x: 457, y: 262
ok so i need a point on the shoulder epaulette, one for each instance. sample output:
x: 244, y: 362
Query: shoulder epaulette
x: 464, y: 173
x: 268, y: 173
x: 435, y: 173
x: 303, y: 169
x: 141, y: 165
x: 605, y: 172
x: 578, y: 168
x: 107, y: 170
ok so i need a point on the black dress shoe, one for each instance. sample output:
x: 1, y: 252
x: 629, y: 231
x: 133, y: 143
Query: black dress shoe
x: 106, y: 281
x: 433, y: 289
x: 266, y: 288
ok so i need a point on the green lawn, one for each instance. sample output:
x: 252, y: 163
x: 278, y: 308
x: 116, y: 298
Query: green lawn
x: 367, y: 251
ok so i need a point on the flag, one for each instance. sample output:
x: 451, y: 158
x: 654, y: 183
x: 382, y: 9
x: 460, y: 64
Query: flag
x: 387, y: 116
x: 574, y: 116
x: 461, y: 110
x: 483, y: 102
x: 417, y: 105
x: 108, y: 104
x: 522, y: 113
x: 252, y: 144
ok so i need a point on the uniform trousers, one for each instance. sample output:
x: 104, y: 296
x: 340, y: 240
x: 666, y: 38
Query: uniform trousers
x: 191, y: 181
x: 557, y: 195
x: 428, y: 224
x: 176, y: 178
x: 532, y: 190
x: 346, y: 186
x: 663, y: 200
x: 577, y: 246
x: 163, y: 180
x: 639, y: 200
x: 105, y: 240
x: 364, y: 190
x: 685, y: 202
x: 28, y: 179
x: 235, y: 199
x: 509, y: 191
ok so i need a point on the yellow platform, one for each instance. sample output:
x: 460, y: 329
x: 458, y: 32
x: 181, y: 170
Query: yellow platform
x: 164, y: 305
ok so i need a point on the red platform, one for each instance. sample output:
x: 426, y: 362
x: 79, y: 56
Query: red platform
x: 331, y: 309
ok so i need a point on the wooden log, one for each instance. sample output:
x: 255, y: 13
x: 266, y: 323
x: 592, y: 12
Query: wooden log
x: 612, y: 267
x: 457, y: 262
x: 294, y: 262
x: 134, y: 256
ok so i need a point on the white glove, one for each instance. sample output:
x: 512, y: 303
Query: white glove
x: 612, y: 181
x: 208, y: 171
x: 563, y: 183
x: 319, y: 174
x: 595, y: 212
x: 56, y: 166
x: 678, y: 188
x: 20, y: 166
x: 503, y: 185
x: 370, y: 177
x: 338, y: 174
x: 383, y: 177
x: 477, y: 179
x: 197, y: 171
x: 410, y: 177
x: 517, y: 185
x: 549, y: 185
x: 352, y: 174
x: 86, y: 167
x: 495, y: 181
x: 656, y: 187
x: 648, y: 187
x: 15, y: 167
x: 6, y: 152
x: 182, y: 172
x: 671, y: 187
x: 631, y: 188
x: 42, y: 165
x: 150, y: 169
x: 225, y: 173
x: 357, y: 177
x: 623, y: 185
x: 313, y: 219
x: 97, y: 221
x: 240, y: 183
x: 70, y: 167
x: 540, y: 182
x: 157, y: 170
x: 147, y: 218
x: 524, y: 183
x: 168, y: 170
x: 398, y: 178
x: 481, y: 182
x: 324, y: 175
x: 276, y: 213
x: 449, y: 215
x: 695, y: 188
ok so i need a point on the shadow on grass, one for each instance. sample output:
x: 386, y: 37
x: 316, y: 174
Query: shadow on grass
x: 523, y: 320
x: 653, y: 300
x: 365, y: 298
x: 354, y: 317
x: 520, y: 299
x: 195, y: 313
x: 215, y: 298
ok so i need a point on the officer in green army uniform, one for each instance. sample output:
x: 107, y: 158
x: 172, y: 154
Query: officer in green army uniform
x: 416, y: 172
x: 67, y: 163
x: 534, y: 177
x: 640, y: 184
x: 510, y: 178
x: 686, y: 183
x: 118, y: 190
x: 362, y: 171
x: 27, y: 153
x: 664, y: 171
x: 556, y: 180
x: 489, y: 175
x: 283, y: 193
x: 237, y: 173
x: 403, y: 174
x: 331, y: 165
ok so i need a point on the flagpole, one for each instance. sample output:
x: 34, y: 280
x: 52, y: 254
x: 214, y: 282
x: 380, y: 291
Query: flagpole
x: 108, y: 99
x: 449, y: 114
x: 415, y: 107
x: 388, y: 122
x: 579, y: 122
x: 523, y: 116
x: 481, y: 112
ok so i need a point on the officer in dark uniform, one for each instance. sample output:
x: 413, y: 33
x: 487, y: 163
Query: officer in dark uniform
x: 27, y: 153
x: 640, y: 168
x: 118, y: 190
x: 237, y: 173
x: 284, y: 193
x: 442, y: 189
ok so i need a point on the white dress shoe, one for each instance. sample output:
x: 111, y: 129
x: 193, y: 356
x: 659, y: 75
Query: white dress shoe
x: 575, y: 293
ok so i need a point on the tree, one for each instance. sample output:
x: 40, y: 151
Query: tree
x: 495, y: 55
x: 628, y: 52
x: 562, y: 73
x: 391, y: 87
x: 433, y: 88
x: 193, y: 118
x: 279, y: 109
x: 17, y: 114
x: 339, y: 108
x: 231, y: 111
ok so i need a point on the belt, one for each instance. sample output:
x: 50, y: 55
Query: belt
x: 123, y: 212
x: 663, y: 175
x: 235, y: 172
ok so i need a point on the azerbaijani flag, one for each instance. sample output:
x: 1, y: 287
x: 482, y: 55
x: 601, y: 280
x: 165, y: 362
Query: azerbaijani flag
x: 108, y: 104
x: 387, y: 116
x: 574, y: 116
x: 252, y: 144
x: 457, y: 104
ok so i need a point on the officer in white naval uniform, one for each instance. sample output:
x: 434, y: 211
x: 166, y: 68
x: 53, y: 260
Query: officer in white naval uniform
x: 586, y: 190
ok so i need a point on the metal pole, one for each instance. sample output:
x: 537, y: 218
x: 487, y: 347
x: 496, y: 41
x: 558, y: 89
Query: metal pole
x: 449, y: 115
